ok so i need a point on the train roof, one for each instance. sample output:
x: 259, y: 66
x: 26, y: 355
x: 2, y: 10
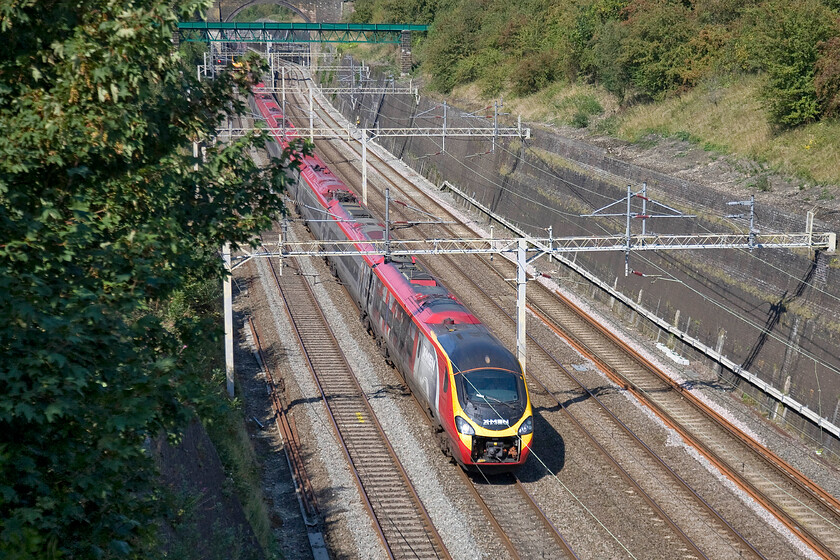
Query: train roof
x: 475, y: 348
x: 420, y: 292
x: 422, y: 295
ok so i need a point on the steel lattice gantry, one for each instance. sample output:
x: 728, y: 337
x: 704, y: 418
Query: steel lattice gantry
x: 326, y: 132
x: 560, y: 245
x: 273, y: 32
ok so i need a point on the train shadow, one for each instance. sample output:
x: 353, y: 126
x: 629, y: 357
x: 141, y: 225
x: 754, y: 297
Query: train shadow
x: 303, y: 401
x: 391, y: 390
x: 579, y: 395
x: 716, y: 385
x: 548, y: 456
x: 548, y: 452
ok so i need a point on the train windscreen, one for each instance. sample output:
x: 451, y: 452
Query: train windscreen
x: 491, y: 385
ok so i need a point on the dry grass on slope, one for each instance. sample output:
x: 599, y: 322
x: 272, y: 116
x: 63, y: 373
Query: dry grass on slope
x: 727, y: 116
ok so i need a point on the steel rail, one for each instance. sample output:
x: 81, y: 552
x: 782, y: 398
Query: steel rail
x: 559, y: 538
x: 623, y: 427
x: 288, y: 431
x: 831, y: 515
x: 546, y: 521
x: 795, y: 526
x: 490, y: 516
x: 748, y: 546
x: 506, y: 495
x: 488, y: 513
x: 492, y: 302
x: 504, y: 505
x: 397, y: 543
x: 772, y: 460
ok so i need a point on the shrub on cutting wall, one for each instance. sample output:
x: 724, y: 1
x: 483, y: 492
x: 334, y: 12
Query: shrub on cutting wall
x: 827, y: 79
x: 534, y: 72
x: 658, y: 48
x: 783, y: 37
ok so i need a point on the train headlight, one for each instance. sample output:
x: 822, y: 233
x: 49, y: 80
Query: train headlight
x: 527, y: 426
x: 464, y: 426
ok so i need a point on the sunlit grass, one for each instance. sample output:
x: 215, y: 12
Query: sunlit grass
x: 726, y: 115
x: 558, y: 104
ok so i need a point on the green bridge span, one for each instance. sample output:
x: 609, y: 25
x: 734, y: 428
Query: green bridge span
x: 272, y: 32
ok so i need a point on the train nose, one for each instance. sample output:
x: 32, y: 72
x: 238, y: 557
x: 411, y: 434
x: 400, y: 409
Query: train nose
x: 495, y: 450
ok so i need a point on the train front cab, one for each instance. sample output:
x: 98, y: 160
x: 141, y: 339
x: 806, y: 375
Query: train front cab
x: 492, y: 415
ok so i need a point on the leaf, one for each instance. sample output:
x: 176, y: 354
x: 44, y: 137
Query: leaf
x: 52, y: 411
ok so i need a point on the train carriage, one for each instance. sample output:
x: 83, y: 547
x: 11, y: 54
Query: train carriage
x: 469, y: 384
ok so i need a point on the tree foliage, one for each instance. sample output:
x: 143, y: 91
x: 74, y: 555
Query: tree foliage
x: 604, y: 61
x: 635, y: 48
x: 448, y: 51
x: 783, y: 36
x: 535, y: 72
x: 102, y: 216
x: 827, y: 79
x: 656, y: 48
x: 396, y: 11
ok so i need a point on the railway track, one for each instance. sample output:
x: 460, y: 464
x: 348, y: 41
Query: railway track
x: 399, y: 517
x: 659, y: 486
x: 288, y: 432
x: 801, y: 505
x: 527, y: 531
x: 515, y: 517
x: 521, y: 526
x: 504, y: 496
x: 804, y: 508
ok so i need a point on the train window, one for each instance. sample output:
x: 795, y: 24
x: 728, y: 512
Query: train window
x: 395, y: 327
x: 445, y: 380
x: 426, y: 371
x: 402, y: 331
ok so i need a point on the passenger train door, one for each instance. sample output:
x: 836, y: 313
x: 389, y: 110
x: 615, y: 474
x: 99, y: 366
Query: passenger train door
x: 365, y: 279
x: 425, y: 373
x: 368, y: 291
